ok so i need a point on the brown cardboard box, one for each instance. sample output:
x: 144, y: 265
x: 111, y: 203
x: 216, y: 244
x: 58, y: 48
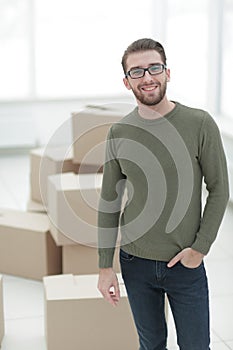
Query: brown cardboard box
x: 90, y: 128
x: 58, y: 235
x: 2, y: 328
x: 82, y: 260
x: 26, y: 247
x: 72, y: 207
x: 77, y: 316
x: 49, y: 161
x: 45, y: 162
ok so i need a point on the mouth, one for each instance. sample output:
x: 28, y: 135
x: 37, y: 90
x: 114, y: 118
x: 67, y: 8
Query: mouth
x: 149, y: 88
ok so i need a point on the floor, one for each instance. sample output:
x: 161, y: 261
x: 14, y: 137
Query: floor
x: 23, y: 299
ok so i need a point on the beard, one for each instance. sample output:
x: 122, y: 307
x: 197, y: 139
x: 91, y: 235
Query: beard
x: 151, y: 100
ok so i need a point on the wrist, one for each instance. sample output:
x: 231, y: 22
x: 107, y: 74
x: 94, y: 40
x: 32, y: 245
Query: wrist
x: 105, y: 269
x: 196, y: 253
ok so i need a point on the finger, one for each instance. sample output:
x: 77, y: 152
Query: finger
x: 174, y: 260
x: 110, y: 297
x: 115, y: 297
x: 113, y: 301
x: 115, y: 294
x: 117, y: 291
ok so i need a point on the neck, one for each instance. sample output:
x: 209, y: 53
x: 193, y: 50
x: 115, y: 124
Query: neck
x: 156, y: 111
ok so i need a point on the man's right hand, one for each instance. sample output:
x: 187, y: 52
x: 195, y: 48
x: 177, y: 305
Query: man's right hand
x: 108, y: 286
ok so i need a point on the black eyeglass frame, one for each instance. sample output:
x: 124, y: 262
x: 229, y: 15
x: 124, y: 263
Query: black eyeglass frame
x: 146, y: 70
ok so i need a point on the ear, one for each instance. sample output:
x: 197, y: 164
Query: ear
x: 126, y: 82
x: 168, y: 73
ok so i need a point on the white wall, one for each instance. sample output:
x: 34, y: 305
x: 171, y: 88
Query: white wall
x: 32, y: 123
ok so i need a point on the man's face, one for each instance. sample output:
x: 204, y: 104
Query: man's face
x: 150, y: 89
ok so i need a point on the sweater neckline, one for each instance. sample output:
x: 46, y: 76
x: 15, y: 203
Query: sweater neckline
x: 158, y: 120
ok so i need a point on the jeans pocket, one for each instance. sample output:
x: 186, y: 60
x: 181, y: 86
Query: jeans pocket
x: 191, y: 268
x: 126, y: 256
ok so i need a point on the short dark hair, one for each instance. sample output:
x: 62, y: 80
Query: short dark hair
x: 143, y: 45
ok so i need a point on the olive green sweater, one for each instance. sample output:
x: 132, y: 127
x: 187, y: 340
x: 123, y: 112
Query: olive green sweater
x: 152, y: 185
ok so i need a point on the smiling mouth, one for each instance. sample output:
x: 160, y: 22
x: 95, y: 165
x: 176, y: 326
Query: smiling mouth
x: 149, y: 88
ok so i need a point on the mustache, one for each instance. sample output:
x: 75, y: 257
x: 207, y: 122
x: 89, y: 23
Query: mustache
x: 149, y: 84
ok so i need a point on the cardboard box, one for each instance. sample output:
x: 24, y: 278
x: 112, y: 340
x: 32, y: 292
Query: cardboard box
x: 82, y: 260
x: 59, y: 236
x: 90, y: 128
x: 72, y: 207
x: 77, y: 316
x: 45, y: 162
x: 26, y: 247
x: 2, y: 327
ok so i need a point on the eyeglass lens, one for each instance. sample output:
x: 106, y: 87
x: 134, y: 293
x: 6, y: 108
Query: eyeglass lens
x: 140, y: 72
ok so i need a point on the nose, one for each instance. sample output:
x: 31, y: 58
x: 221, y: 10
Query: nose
x: 147, y: 77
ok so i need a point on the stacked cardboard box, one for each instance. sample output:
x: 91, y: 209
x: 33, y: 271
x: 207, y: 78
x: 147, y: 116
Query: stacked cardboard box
x: 45, y: 162
x: 53, y: 179
x: 72, y: 210
x: 29, y: 250
x: 49, y: 161
x: 2, y: 328
x: 72, y: 207
x: 77, y: 316
x: 90, y: 128
x: 80, y: 259
x: 26, y: 247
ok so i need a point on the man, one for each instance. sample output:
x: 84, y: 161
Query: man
x: 159, y: 154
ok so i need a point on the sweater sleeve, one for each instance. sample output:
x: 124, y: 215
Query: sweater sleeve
x: 214, y: 169
x: 112, y: 190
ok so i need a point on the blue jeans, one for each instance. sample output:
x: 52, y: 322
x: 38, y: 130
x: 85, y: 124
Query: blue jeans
x: 146, y: 283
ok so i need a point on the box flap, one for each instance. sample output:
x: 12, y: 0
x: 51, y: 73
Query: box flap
x: 67, y: 287
x: 56, y: 153
x: 21, y: 219
x: 71, y: 181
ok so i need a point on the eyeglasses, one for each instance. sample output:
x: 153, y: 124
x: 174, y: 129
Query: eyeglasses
x: 136, y: 73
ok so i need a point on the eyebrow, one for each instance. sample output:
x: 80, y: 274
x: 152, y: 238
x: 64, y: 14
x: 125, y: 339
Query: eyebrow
x: 151, y: 64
